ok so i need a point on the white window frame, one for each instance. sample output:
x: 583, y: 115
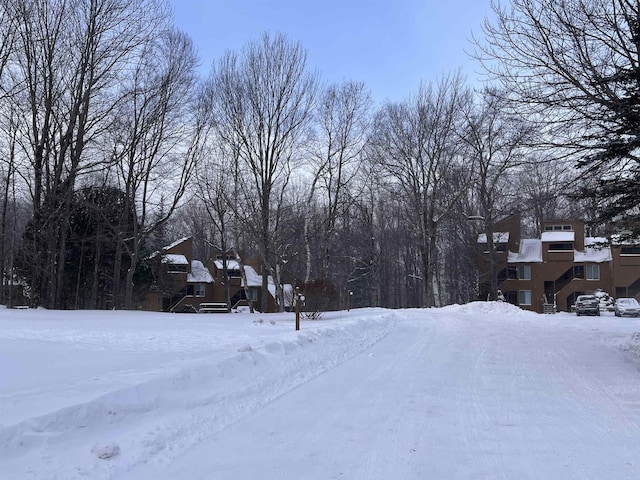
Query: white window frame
x: 522, y: 297
x: 199, y: 290
x: 524, y: 272
x: 589, y: 271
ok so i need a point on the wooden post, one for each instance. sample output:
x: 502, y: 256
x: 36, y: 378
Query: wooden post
x: 297, y: 308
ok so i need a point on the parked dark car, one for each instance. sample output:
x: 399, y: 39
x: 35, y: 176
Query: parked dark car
x: 627, y: 307
x: 587, y: 305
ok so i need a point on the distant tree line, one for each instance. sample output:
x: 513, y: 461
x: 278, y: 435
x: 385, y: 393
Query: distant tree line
x: 111, y: 146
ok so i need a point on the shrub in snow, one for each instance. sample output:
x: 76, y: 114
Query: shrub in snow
x: 606, y: 300
x: 245, y: 348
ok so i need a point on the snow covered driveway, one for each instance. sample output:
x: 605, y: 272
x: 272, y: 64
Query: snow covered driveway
x: 481, y: 391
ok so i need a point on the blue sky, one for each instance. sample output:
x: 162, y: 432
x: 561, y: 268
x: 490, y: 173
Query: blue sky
x: 389, y: 45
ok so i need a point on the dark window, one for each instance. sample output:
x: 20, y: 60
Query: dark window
x: 176, y: 268
x: 635, y: 250
x: 190, y: 290
x: 578, y: 271
x: 564, y: 246
x: 512, y: 273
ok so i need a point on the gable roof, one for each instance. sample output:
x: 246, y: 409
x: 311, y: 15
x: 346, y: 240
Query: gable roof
x: 175, y: 244
x: 174, y: 259
x: 596, y: 250
x: 530, y: 252
x: 498, y: 237
x: 199, y: 273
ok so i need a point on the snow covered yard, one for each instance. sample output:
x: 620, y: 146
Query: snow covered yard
x: 482, y: 390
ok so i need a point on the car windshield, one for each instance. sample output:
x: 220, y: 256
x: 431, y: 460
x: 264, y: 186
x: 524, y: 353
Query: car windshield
x: 583, y: 298
x: 628, y: 302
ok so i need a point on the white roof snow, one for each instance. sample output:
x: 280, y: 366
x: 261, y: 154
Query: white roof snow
x: 567, y: 236
x: 173, y: 259
x: 231, y: 265
x: 498, y: 237
x: 177, y: 242
x: 596, y: 251
x: 199, y: 273
x: 530, y: 252
x: 255, y: 280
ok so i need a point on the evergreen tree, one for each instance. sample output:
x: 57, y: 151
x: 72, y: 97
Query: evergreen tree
x: 574, y: 65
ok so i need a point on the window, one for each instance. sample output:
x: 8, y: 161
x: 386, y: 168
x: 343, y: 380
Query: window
x: 199, y: 289
x: 635, y: 250
x: 253, y: 294
x: 524, y: 272
x: 593, y: 272
x: 190, y: 290
x: 233, y: 273
x: 558, y: 228
x: 524, y: 297
x: 176, y: 268
x: 578, y: 272
x: 561, y: 247
x: 512, y: 273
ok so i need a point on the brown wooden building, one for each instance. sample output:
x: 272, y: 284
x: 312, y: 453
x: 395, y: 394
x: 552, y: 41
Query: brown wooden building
x: 557, y: 267
x: 184, y: 284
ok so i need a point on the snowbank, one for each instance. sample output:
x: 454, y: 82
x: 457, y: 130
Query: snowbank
x: 489, y: 308
x: 166, y: 411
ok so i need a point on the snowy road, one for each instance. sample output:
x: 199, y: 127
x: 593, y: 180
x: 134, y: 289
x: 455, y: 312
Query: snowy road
x: 445, y: 397
x: 470, y: 392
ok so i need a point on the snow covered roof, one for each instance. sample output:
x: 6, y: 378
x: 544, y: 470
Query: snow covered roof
x: 199, y: 273
x: 253, y: 279
x: 231, y: 265
x: 498, y: 237
x: 174, y: 259
x: 595, y: 251
x: 287, y: 291
x: 530, y: 252
x: 177, y: 242
x: 567, y: 236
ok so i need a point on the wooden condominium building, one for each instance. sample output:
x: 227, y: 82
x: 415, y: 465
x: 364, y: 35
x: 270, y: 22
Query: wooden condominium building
x: 184, y: 284
x: 557, y: 267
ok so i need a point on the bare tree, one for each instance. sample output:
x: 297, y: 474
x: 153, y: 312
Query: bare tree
x: 66, y: 61
x: 415, y: 145
x: 158, y: 137
x: 495, y: 141
x: 574, y: 65
x: 263, y: 98
x: 343, y: 121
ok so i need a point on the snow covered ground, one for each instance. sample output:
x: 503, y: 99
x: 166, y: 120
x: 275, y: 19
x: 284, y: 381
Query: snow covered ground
x: 478, y: 391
